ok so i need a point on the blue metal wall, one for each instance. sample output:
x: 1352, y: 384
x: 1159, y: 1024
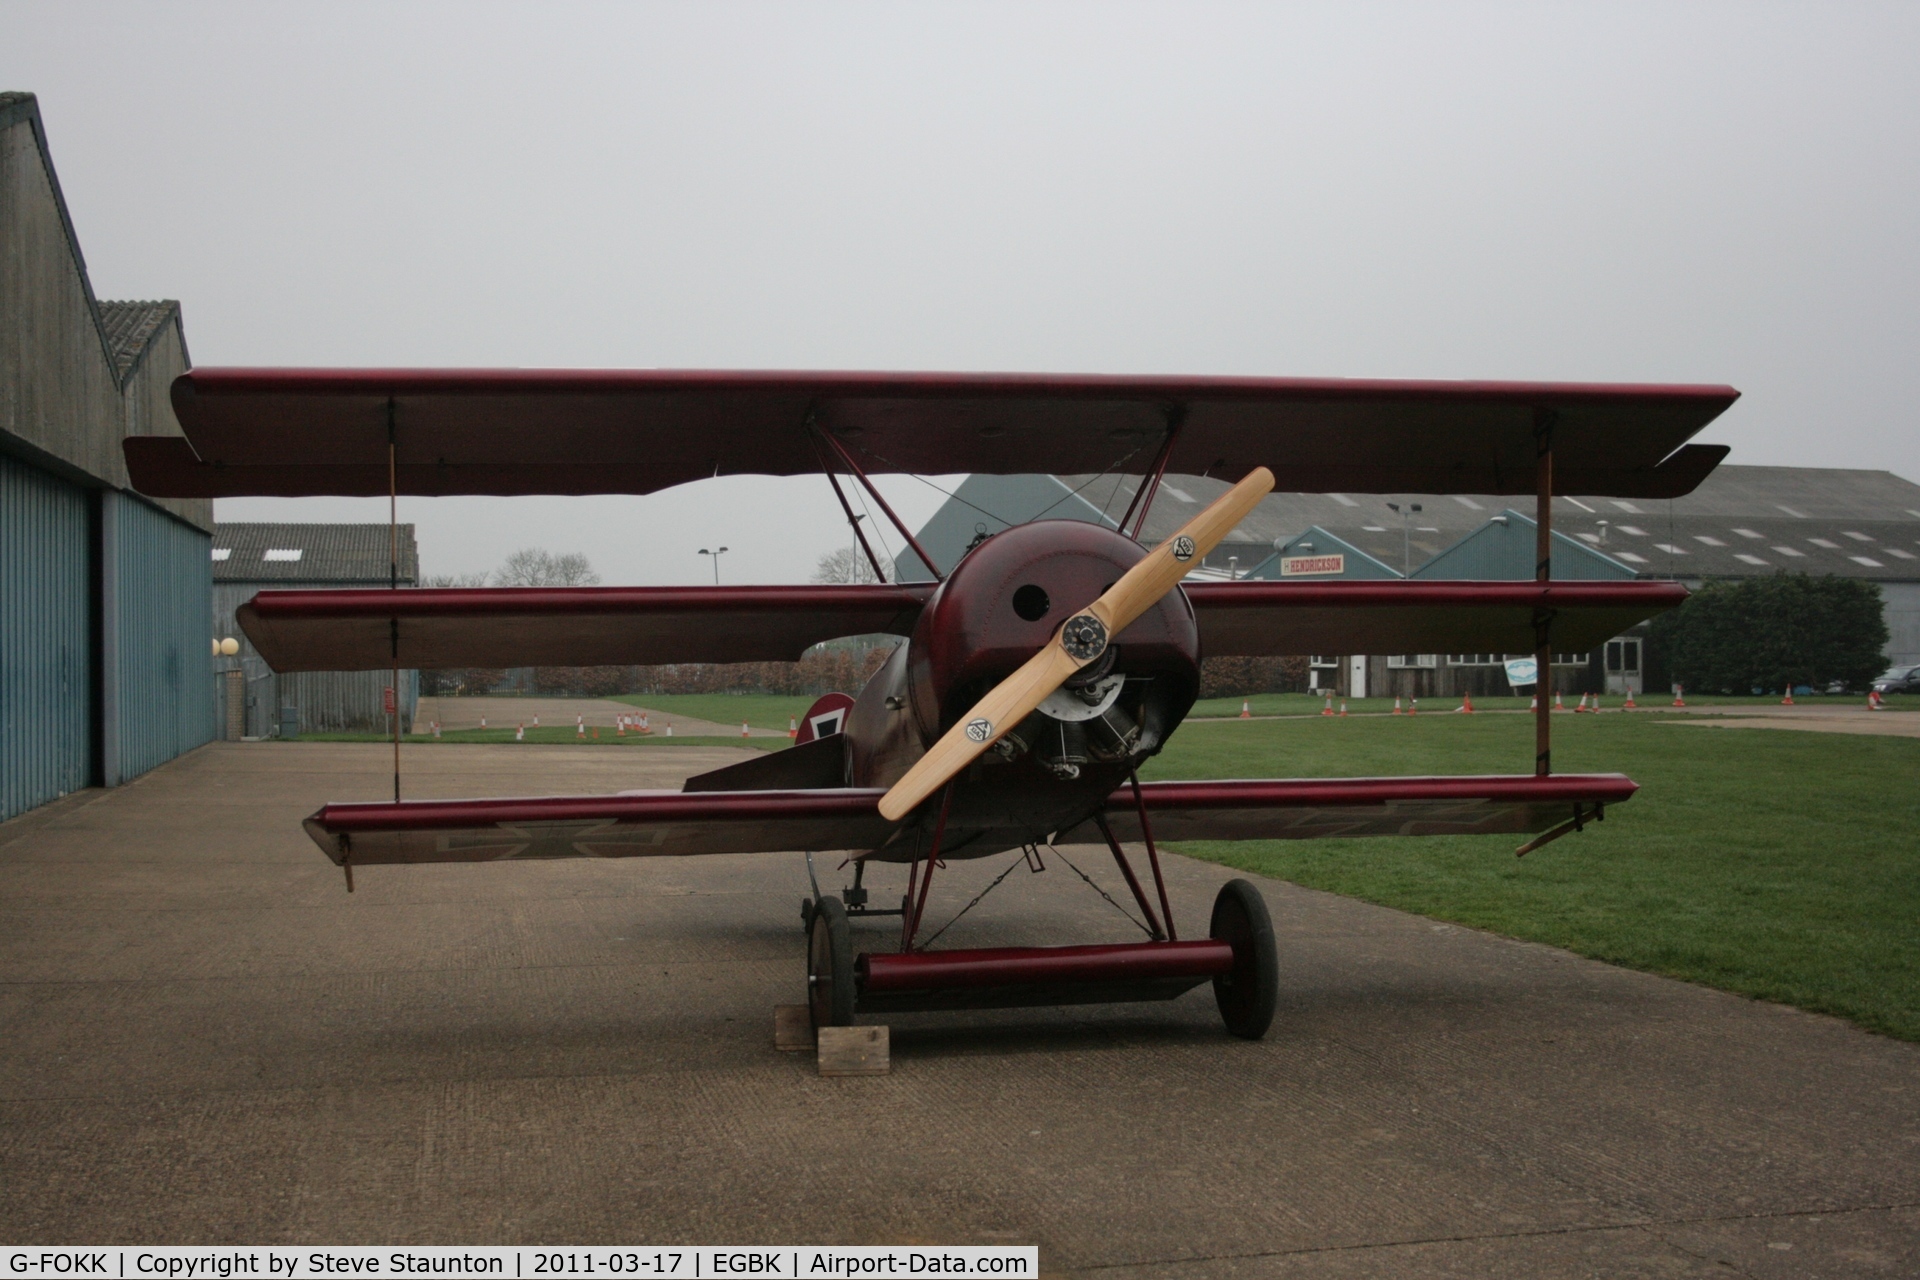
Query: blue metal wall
x: 159, y: 682
x: 46, y: 633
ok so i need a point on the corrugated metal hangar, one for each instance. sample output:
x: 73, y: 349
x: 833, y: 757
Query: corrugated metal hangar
x: 1742, y: 522
x: 252, y: 557
x: 105, y: 663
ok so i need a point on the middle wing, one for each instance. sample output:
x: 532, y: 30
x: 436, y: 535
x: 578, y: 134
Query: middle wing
x: 437, y: 628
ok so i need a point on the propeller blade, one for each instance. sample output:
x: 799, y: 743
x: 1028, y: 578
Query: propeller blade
x: 1081, y: 639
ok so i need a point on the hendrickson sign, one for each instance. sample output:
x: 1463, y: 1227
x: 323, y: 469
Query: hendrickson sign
x: 1312, y: 566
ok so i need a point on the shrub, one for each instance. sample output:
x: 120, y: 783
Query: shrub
x: 1775, y: 633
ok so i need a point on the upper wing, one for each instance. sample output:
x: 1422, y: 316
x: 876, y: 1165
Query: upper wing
x: 296, y: 432
x: 437, y: 628
x: 674, y: 823
x: 1418, y: 617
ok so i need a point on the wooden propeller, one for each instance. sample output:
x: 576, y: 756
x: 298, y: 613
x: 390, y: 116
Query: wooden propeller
x: 1081, y: 639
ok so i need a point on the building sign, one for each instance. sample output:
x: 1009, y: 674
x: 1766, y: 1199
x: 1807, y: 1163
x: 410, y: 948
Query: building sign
x: 1522, y: 671
x: 1312, y: 566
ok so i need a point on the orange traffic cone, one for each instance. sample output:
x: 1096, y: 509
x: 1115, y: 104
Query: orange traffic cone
x: 536, y: 722
x: 793, y: 727
x: 1535, y: 704
x: 1246, y: 710
x: 1413, y: 706
x: 620, y: 727
x: 520, y: 734
x: 1628, y: 704
x: 1396, y: 708
x: 580, y: 728
x: 743, y: 728
x: 596, y: 733
x: 1874, y: 701
x: 1678, y: 701
x: 1558, y: 705
x: 644, y: 716
x: 483, y: 722
x: 1328, y: 709
x: 669, y: 728
x: 1466, y: 704
x: 1788, y: 700
x: 1582, y: 706
x: 436, y: 730
x: 1343, y: 706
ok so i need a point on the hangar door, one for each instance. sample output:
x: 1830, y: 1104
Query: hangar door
x: 46, y: 638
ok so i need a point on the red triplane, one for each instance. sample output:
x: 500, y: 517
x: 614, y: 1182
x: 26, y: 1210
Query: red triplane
x: 1037, y: 673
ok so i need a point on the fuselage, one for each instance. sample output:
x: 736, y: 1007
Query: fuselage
x: 1000, y: 604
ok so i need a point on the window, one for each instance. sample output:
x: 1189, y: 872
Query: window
x: 1857, y: 537
x: 1633, y: 529
x: 1895, y: 551
x: 1475, y: 659
x: 1623, y: 657
x: 1324, y: 662
x: 1412, y: 661
x: 1789, y: 551
x: 1797, y: 515
x: 1672, y: 550
x: 1868, y: 561
x: 1343, y: 499
x: 1747, y: 559
x: 1628, y: 507
x: 282, y: 553
x: 1822, y: 542
x: 221, y: 553
x: 1572, y: 659
x: 1748, y: 533
x: 1468, y: 502
x: 1711, y: 542
x: 1629, y: 557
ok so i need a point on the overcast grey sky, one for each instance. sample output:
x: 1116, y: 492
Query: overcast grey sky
x: 1659, y: 192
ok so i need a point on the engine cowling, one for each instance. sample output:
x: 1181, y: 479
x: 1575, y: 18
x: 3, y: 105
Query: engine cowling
x: 1005, y: 600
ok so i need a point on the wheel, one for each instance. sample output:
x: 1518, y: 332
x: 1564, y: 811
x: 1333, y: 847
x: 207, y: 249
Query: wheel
x: 806, y: 916
x: 1248, y: 992
x: 830, y: 966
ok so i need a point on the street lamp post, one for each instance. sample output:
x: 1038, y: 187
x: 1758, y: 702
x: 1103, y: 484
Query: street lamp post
x: 1406, y: 535
x: 716, y: 554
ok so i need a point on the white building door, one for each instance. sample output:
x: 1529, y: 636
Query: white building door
x: 1357, y: 675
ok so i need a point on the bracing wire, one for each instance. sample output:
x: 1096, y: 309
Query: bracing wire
x: 1102, y: 892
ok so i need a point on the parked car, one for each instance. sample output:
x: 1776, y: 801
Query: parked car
x: 1898, y: 680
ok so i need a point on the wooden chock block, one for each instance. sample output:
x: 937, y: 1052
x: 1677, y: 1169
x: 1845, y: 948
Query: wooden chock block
x: 854, y: 1051
x: 792, y: 1027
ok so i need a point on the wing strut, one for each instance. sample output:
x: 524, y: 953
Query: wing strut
x: 393, y: 583
x: 853, y: 521
x: 1543, y: 572
x: 1150, y: 483
x: 861, y: 475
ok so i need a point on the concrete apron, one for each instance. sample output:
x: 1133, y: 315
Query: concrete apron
x: 203, y: 1038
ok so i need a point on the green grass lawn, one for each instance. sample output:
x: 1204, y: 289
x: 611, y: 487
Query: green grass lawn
x: 761, y: 710
x: 1777, y: 864
x: 554, y: 734
x: 1307, y: 704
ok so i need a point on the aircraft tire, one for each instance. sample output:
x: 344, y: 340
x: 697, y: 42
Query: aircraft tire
x: 830, y: 965
x: 1248, y: 993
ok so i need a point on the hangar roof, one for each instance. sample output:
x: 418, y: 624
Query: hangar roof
x: 285, y: 554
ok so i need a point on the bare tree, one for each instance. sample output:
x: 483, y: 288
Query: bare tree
x: 455, y: 580
x: 849, y: 564
x: 538, y: 567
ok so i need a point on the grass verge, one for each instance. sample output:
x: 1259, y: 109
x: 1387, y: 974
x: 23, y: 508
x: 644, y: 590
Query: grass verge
x: 761, y: 710
x: 551, y: 735
x: 1775, y: 864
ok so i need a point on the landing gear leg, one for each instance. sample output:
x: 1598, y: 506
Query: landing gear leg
x: 1248, y: 992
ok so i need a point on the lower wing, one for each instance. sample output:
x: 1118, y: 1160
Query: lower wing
x: 673, y: 823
